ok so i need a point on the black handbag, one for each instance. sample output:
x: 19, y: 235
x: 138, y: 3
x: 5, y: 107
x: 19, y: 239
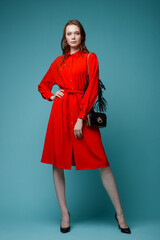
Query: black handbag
x: 94, y: 118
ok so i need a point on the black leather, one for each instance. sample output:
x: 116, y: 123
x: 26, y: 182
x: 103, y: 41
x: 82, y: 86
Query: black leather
x: 96, y: 119
x: 65, y: 230
x: 123, y: 230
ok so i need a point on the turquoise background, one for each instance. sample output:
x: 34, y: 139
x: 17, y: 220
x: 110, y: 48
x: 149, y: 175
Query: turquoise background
x: 125, y: 37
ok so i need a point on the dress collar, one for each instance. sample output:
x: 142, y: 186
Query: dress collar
x: 74, y: 54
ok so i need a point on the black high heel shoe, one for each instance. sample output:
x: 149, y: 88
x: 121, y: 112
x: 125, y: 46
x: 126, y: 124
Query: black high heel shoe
x: 65, y: 230
x: 124, y: 230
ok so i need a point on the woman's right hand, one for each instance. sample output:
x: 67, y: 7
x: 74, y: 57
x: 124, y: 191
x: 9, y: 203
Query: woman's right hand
x: 59, y: 93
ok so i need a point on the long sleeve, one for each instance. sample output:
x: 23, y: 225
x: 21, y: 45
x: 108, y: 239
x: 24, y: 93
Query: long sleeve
x: 91, y: 93
x: 47, y: 82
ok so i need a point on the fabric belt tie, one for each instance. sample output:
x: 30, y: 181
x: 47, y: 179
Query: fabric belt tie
x: 65, y: 109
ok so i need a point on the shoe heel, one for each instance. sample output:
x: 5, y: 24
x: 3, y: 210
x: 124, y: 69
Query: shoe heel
x: 123, y: 230
x: 67, y: 229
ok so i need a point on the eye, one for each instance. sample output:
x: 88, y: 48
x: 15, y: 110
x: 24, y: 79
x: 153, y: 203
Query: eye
x: 76, y: 33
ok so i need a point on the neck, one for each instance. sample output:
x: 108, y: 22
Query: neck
x: 73, y: 50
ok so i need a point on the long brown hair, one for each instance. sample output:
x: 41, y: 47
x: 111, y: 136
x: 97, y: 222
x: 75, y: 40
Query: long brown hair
x: 64, y: 45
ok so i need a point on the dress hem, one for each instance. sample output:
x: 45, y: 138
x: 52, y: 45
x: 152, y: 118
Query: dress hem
x: 77, y: 168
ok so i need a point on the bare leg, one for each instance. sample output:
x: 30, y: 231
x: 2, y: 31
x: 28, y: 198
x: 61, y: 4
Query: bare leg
x: 111, y: 188
x: 59, y: 182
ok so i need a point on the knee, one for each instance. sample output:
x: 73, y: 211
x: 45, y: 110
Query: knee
x: 108, y: 169
x: 105, y: 169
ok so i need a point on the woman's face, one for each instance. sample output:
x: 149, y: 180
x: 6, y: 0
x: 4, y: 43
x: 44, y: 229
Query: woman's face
x: 73, y: 36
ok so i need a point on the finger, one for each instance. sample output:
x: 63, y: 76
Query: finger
x: 81, y: 132
x: 75, y: 134
x: 59, y: 95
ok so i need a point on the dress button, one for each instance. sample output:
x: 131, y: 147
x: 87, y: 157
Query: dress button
x: 71, y: 80
x: 72, y: 87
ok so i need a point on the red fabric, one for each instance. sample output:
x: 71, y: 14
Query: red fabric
x: 61, y: 148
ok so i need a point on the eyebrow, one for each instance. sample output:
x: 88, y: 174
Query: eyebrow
x: 75, y: 31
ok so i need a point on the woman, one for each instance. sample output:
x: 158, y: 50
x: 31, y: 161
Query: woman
x: 68, y: 140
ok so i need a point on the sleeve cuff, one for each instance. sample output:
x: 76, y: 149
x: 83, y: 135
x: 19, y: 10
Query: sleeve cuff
x: 82, y: 115
x: 50, y: 96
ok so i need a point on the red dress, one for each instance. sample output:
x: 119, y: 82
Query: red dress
x: 61, y: 148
